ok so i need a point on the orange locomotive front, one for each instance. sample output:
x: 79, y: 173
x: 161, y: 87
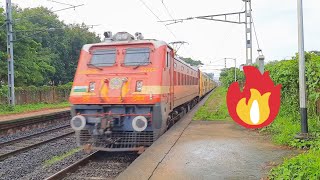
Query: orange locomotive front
x: 124, y: 93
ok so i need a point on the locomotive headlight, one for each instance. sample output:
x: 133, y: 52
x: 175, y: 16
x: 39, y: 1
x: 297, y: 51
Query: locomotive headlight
x: 78, y: 122
x: 92, y: 86
x: 139, y: 85
x: 139, y: 123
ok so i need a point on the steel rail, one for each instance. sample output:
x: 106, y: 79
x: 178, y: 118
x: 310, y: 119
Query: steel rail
x: 73, y: 167
x: 32, y: 135
x: 22, y: 149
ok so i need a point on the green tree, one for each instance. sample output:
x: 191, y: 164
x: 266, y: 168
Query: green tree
x: 3, y: 49
x: 46, y: 50
x: 227, y: 77
x: 192, y: 62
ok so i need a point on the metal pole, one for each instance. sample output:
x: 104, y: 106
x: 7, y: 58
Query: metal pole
x: 235, y: 70
x: 248, y: 31
x: 10, y: 53
x: 302, y: 78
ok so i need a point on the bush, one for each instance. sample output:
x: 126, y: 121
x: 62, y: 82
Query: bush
x: 287, y: 124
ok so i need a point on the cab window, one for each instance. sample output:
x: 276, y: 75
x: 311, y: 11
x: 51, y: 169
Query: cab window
x: 137, y: 57
x: 103, y: 57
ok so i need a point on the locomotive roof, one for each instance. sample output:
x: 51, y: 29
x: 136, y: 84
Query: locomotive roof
x: 156, y: 43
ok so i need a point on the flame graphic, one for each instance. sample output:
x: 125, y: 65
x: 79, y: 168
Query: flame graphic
x: 259, y: 102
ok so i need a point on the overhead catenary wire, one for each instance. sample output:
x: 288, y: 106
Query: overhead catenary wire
x: 61, y: 3
x: 166, y: 8
x: 36, y: 15
x: 157, y: 17
x: 255, y: 33
x: 68, y: 8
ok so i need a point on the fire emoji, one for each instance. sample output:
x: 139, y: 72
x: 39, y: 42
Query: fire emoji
x: 259, y: 102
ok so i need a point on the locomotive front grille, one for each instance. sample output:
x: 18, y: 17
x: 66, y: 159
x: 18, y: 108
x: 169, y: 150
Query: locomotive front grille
x: 117, y: 139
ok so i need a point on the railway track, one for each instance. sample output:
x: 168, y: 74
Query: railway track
x: 31, y: 122
x: 18, y: 145
x: 98, y: 165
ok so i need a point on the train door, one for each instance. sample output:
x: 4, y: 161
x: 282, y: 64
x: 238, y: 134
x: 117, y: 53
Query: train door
x: 170, y: 67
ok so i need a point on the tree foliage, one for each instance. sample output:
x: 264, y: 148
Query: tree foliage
x: 192, y: 62
x: 286, y: 73
x: 46, y: 50
x: 227, y: 76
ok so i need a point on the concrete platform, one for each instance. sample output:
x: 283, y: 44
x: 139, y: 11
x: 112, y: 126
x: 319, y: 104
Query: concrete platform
x: 28, y: 115
x: 206, y: 150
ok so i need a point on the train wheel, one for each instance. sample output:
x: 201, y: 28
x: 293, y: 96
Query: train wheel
x: 189, y: 107
x: 170, y: 123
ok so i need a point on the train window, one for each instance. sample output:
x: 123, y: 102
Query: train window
x: 175, y: 78
x: 186, y: 78
x: 168, y: 59
x: 178, y: 78
x: 182, y: 82
x: 175, y: 65
x: 137, y: 57
x: 103, y: 57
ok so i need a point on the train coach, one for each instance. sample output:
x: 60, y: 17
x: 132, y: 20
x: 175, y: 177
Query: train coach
x: 128, y: 91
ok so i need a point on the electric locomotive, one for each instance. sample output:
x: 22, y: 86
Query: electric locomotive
x: 128, y: 91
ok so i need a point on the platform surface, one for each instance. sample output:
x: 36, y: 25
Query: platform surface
x: 207, y: 150
x: 12, y: 117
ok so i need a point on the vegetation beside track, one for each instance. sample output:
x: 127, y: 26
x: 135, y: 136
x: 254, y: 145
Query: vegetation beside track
x: 61, y: 157
x: 215, y: 107
x: 287, y: 124
x: 6, y: 110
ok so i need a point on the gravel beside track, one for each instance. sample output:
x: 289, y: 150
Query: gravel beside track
x: 103, y: 166
x: 31, y: 164
x: 13, y: 147
x: 32, y: 131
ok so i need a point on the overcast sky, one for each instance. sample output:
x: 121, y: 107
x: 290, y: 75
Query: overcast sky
x: 275, y: 20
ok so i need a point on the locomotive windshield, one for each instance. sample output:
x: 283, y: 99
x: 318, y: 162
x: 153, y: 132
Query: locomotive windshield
x: 104, y: 57
x: 137, y: 56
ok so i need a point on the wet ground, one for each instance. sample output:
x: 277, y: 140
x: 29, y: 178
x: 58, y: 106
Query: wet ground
x: 219, y: 150
x: 207, y: 150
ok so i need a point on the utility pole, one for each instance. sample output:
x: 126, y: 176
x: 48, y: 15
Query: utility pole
x: 302, y: 78
x: 11, y: 96
x: 225, y: 63
x: 248, y: 30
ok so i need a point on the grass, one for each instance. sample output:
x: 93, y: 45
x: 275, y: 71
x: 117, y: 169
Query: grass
x: 215, y: 107
x: 303, y: 166
x: 60, y: 157
x: 6, y: 110
x: 283, y: 130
